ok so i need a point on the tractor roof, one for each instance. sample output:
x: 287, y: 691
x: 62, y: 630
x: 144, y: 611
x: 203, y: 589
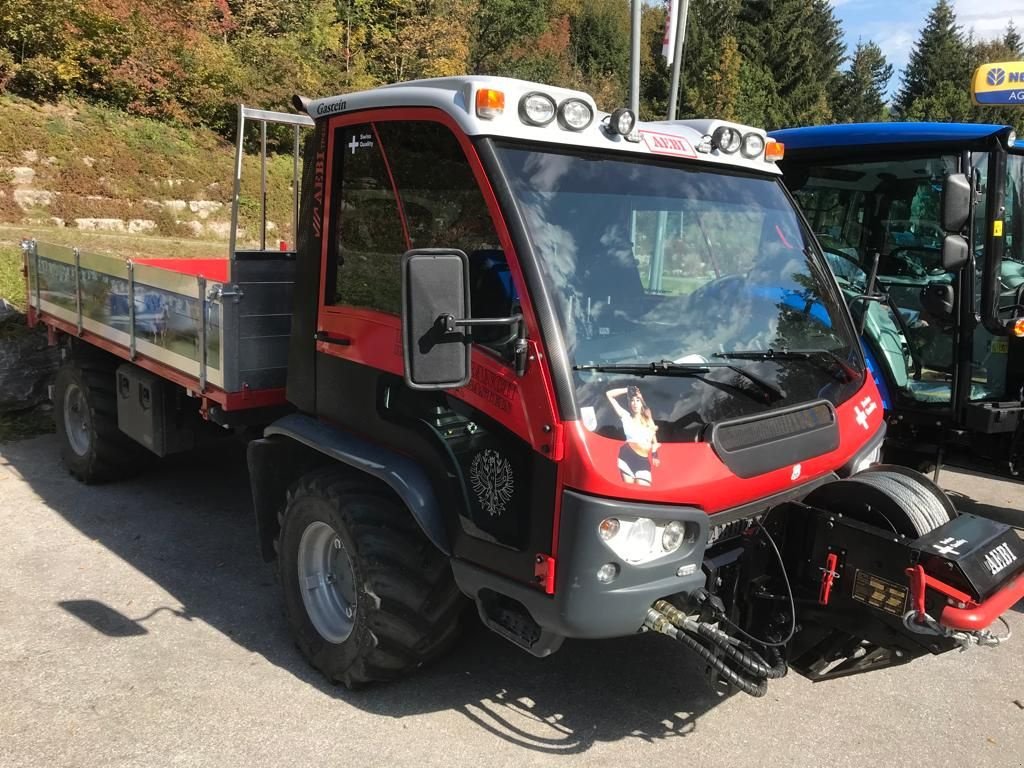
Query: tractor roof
x: 457, y: 97
x: 823, y: 137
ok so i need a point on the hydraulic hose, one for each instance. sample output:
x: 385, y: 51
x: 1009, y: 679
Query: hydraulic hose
x: 660, y: 623
x: 751, y: 661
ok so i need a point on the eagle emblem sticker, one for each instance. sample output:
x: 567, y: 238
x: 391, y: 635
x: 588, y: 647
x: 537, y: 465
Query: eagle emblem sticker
x: 492, y: 480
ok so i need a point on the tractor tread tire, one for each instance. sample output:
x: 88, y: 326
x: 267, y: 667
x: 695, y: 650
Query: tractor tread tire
x: 111, y: 454
x: 408, y: 607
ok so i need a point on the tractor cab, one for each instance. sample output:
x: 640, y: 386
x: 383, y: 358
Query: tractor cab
x: 940, y: 341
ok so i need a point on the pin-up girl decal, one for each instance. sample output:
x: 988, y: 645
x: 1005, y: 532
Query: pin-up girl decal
x: 639, y: 454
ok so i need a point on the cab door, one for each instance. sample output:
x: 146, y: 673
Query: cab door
x: 400, y: 179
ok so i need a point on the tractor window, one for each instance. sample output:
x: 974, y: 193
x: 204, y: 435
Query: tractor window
x: 368, y: 241
x: 444, y: 208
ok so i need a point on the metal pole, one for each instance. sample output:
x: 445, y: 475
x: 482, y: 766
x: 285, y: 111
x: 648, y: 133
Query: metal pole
x: 131, y: 309
x: 295, y: 192
x: 634, y: 59
x: 263, y: 185
x: 78, y: 288
x: 682, y: 11
x: 204, y: 306
x: 233, y: 237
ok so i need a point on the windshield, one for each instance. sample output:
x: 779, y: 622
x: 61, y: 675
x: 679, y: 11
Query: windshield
x: 695, y: 270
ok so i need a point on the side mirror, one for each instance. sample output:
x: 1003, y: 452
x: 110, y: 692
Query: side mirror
x: 956, y: 202
x: 435, y: 291
x: 955, y: 253
x: 939, y: 300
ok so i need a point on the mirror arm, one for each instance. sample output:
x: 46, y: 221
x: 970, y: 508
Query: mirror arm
x: 448, y: 323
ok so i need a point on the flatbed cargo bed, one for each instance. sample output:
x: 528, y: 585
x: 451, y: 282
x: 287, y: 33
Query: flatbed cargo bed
x: 218, y: 327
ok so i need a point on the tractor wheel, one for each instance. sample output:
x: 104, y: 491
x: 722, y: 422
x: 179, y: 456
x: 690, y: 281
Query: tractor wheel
x: 888, y: 496
x: 368, y: 597
x: 85, y: 413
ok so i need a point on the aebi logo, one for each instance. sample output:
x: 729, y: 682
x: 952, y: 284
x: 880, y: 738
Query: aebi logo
x: 1000, y: 558
x: 666, y: 144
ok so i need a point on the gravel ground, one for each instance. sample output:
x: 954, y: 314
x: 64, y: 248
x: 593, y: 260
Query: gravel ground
x: 138, y: 626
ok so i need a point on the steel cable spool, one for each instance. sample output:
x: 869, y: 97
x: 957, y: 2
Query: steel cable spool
x: 889, y: 497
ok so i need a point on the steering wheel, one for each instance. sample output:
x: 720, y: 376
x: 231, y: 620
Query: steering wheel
x: 912, y: 266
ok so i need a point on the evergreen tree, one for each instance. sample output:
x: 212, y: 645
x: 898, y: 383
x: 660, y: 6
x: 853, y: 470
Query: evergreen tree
x: 935, y: 80
x: 794, y: 47
x: 860, y: 95
x: 1012, y: 39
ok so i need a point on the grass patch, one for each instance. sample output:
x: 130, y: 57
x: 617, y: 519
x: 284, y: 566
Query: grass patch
x: 25, y: 424
x: 128, y: 246
x: 12, y: 282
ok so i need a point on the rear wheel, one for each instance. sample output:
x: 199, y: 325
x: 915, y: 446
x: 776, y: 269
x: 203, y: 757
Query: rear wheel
x: 368, y: 597
x: 85, y: 412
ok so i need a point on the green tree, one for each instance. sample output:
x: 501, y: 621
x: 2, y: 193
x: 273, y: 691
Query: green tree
x: 794, y: 47
x: 1012, y: 40
x: 935, y: 80
x: 860, y: 92
x: 500, y: 30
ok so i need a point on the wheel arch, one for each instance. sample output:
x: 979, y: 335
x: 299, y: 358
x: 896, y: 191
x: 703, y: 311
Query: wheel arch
x: 297, y: 444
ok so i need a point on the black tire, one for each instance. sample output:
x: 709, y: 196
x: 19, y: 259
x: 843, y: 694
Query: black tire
x: 406, y: 604
x: 94, y: 450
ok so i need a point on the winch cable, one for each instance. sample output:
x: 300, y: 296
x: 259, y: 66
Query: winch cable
x: 789, y: 594
x: 660, y: 623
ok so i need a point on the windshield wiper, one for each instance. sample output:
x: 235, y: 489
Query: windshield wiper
x: 695, y: 370
x: 811, y: 355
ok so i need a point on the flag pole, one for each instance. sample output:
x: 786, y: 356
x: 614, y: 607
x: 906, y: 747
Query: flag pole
x: 682, y: 11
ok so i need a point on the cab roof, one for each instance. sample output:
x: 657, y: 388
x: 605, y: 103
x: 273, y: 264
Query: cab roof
x: 456, y: 96
x: 868, y: 134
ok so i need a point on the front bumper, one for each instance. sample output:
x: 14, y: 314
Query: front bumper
x: 583, y: 607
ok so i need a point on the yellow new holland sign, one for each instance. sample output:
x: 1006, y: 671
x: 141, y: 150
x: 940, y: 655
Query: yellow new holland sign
x: 999, y: 84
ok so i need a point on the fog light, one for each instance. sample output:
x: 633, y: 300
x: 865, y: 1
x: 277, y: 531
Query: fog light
x: 753, y: 145
x: 606, y: 573
x: 1018, y: 328
x: 673, y: 535
x: 686, y: 570
x: 727, y: 139
x: 575, y: 114
x: 622, y: 121
x: 608, y: 528
x: 537, y: 109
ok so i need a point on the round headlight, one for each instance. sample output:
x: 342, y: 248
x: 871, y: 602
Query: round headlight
x: 575, y: 114
x: 753, y: 145
x: 622, y: 121
x: 673, y: 535
x: 537, y: 109
x: 726, y: 139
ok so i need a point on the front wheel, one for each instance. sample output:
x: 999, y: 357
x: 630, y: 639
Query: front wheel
x: 367, y: 596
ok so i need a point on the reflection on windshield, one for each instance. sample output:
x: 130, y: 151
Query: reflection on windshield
x: 652, y: 263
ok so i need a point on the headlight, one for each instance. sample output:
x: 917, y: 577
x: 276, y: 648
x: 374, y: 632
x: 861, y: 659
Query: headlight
x: 575, y: 114
x: 640, y: 540
x: 622, y: 121
x: 726, y: 139
x: 537, y: 109
x: 753, y: 145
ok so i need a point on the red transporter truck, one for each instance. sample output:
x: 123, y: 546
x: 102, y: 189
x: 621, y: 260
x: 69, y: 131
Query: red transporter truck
x: 592, y: 374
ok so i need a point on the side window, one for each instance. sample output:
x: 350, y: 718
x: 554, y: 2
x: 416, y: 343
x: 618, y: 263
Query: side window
x: 368, y: 238
x: 444, y: 208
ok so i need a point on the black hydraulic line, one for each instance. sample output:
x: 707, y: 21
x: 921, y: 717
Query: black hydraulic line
x: 755, y: 688
x: 751, y: 661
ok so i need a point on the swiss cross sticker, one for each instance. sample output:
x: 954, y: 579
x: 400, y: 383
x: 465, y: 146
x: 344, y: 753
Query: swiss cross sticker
x: 667, y: 144
x: 862, y: 410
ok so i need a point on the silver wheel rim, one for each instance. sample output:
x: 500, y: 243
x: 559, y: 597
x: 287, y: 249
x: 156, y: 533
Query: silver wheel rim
x: 327, y: 582
x: 77, y: 420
